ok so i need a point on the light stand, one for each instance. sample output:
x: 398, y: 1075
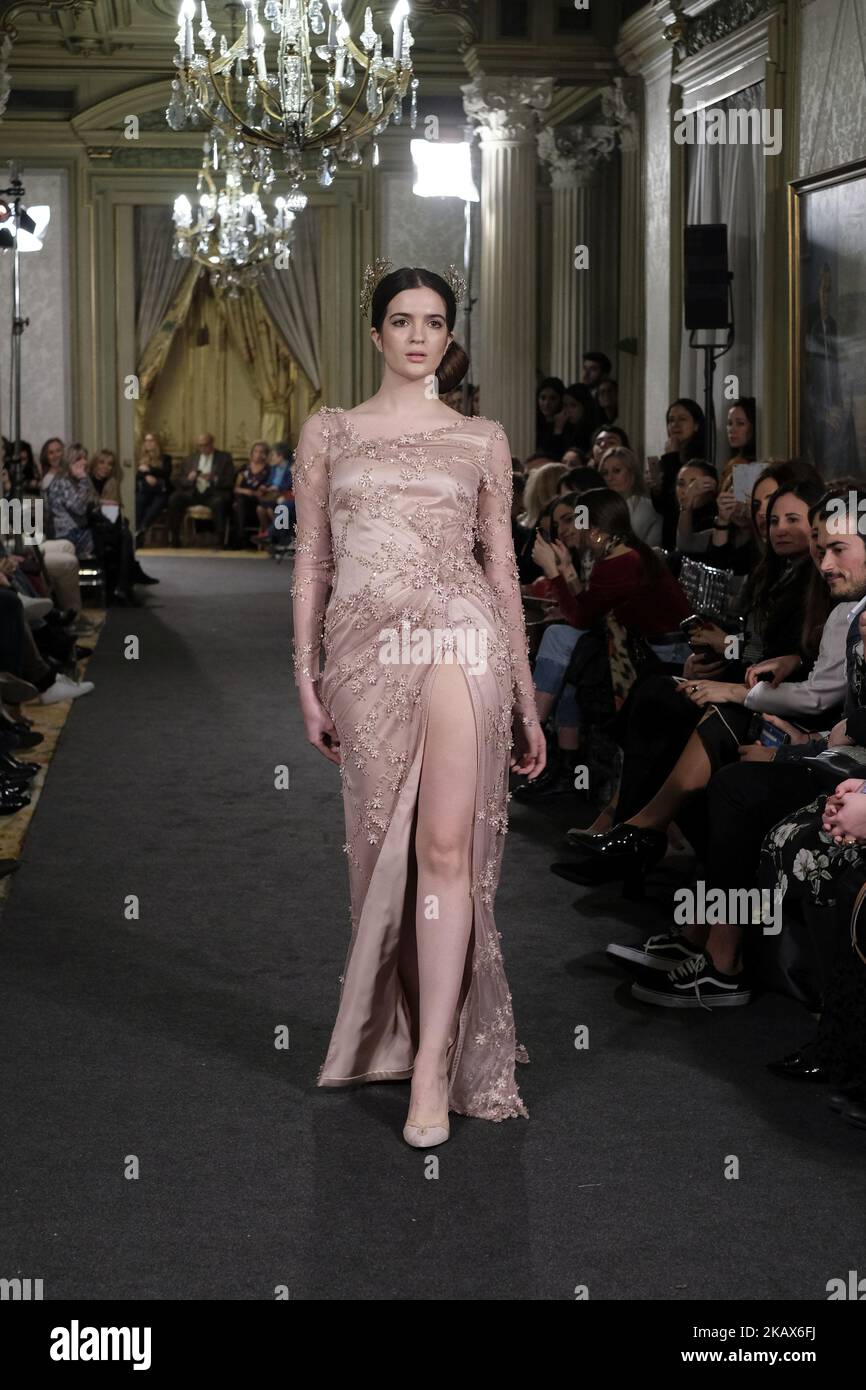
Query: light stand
x: 11, y: 200
x: 712, y: 352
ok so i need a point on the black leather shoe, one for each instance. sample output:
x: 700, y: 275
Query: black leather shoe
x: 628, y: 845
x: 11, y: 767
x: 12, y: 799
x: 23, y: 733
x: 802, y: 1065
x: 550, y: 782
x: 139, y: 577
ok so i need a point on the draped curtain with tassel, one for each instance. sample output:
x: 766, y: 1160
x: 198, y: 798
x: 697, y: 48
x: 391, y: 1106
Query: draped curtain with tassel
x: 274, y: 326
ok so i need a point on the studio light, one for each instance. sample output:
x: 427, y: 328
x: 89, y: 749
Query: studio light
x: 443, y: 170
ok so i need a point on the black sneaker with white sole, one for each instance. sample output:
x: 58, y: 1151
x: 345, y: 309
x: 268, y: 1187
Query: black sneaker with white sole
x: 657, y: 952
x: 695, y: 984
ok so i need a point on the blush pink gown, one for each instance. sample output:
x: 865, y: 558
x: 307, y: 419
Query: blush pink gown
x: 413, y: 530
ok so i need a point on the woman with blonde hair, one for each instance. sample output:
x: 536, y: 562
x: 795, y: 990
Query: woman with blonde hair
x: 152, y: 478
x: 621, y: 472
x: 541, y: 488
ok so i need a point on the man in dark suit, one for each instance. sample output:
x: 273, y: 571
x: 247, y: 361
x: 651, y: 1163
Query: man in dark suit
x: 206, y: 480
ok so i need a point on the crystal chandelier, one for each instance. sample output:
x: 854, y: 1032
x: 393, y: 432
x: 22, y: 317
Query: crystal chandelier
x: 231, y: 235
x: 261, y: 83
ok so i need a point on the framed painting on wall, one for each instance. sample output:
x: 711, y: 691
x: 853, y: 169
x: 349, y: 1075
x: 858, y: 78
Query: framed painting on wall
x: 827, y: 344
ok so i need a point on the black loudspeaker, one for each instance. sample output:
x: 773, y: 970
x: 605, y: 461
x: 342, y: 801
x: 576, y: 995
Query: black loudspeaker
x: 707, y: 277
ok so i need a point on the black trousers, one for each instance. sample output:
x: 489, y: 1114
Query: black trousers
x: 179, y: 502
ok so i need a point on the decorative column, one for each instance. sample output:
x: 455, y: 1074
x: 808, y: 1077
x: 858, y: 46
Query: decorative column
x: 621, y: 106
x: 507, y: 109
x: 575, y: 157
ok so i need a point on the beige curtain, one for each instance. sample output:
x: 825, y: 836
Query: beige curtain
x: 292, y: 297
x: 158, y: 272
x: 156, y: 350
x: 270, y: 364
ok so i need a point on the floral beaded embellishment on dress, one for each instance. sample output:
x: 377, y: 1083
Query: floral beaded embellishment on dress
x: 412, y: 530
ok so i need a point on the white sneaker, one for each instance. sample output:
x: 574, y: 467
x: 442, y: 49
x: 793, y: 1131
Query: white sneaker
x: 35, y: 608
x: 65, y: 689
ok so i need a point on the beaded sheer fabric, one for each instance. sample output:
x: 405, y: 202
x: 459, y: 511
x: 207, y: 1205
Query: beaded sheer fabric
x: 414, y: 530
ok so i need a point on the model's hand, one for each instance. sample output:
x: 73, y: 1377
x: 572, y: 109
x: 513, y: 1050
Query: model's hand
x: 529, y: 754
x: 321, y: 731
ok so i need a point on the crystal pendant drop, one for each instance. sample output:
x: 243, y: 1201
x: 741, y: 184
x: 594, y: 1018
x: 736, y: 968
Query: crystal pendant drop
x: 326, y: 178
x: 175, y: 114
x: 368, y: 33
x: 349, y: 73
x: 397, y: 117
x: 317, y: 19
x: 375, y: 154
x: 413, y: 109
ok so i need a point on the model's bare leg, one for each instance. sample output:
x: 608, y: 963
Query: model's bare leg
x: 443, y: 840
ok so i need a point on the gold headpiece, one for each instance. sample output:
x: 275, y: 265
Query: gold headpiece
x: 372, y: 276
x: 375, y: 273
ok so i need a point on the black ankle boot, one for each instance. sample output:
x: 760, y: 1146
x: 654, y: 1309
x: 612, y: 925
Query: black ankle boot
x: 554, y: 780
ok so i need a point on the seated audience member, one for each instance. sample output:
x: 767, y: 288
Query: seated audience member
x: 540, y: 491
x: 621, y: 472
x: 579, y: 479
x: 607, y: 399
x: 574, y: 425
x: 710, y: 721
x: 276, y: 510
x: 31, y: 473
x: 50, y: 459
x: 696, y: 488
x: 628, y: 582
x: 70, y: 500
x: 206, y: 479
x: 152, y: 483
x: 548, y: 404
x: 20, y: 656
x: 742, y: 432
x: 536, y: 461
x: 596, y: 366
x: 251, y: 488
x: 112, y: 534
x: 606, y: 437
x: 758, y: 828
x: 574, y: 458
x: 686, y: 440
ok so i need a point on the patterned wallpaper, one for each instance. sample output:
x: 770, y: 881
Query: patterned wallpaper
x: 45, y: 344
x: 832, y: 83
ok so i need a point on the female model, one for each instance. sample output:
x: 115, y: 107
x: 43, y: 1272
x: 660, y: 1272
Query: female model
x: 426, y: 667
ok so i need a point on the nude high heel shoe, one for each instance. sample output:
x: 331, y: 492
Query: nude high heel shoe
x: 428, y: 1136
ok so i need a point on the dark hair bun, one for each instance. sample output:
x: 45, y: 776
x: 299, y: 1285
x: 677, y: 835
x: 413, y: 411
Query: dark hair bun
x: 452, y: 369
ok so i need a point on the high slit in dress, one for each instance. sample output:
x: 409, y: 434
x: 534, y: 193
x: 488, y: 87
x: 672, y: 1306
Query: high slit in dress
x: 404, y: 559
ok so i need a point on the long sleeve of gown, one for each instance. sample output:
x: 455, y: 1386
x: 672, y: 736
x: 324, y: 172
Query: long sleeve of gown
x: 500, y: 565
x: 314, y: 561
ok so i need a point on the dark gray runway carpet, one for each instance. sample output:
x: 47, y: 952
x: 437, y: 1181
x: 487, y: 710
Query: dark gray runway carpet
x: 159, y: 1146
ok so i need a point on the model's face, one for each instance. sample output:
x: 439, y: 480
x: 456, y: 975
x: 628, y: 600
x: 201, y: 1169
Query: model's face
x: 549, y: 402
x: 681, y: 425
x: 841, y: 557
x: 54, y: 453
x: 414, y: 335
x: 739, y: 429
x: 761, y: 495
x: 616, y: 475
x: 79, y: 467
x: 574, y: 411
x: 788, y: 529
